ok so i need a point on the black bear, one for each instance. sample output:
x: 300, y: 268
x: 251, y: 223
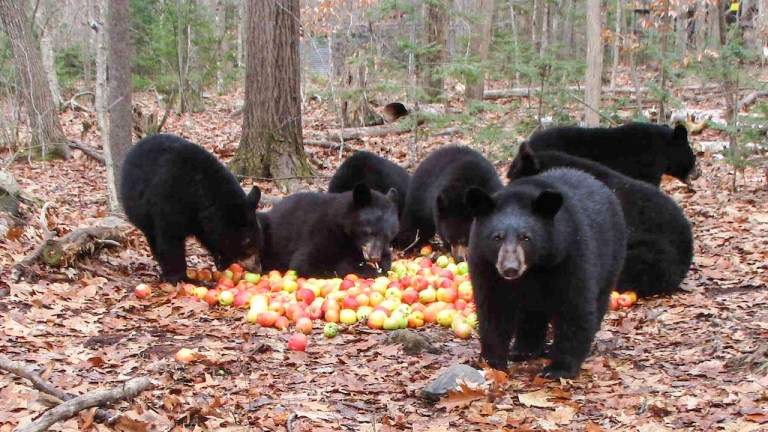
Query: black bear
x: 435, y: 200
x: 172, y: 189
x: 547, y: 248
x: 659, y: 238
x: 375, y: 171
x: 642, y: 151
x: 326, y: 235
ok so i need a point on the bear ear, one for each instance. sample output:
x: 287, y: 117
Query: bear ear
x: 478, y: 202
x: 361, y: 195
x: 548, y: 203
x: 679, y: 134
x: 253, y: 198
x: 525, y: 164
x: 393, y: 196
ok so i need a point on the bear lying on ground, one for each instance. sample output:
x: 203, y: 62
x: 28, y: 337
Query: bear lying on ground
x: 375, y: 171
x: 547, y: 248
x: 642, y: 151
x: 331, y: 235
x: 659, y: 238
x: 435, y: 201
x: 172, y: 189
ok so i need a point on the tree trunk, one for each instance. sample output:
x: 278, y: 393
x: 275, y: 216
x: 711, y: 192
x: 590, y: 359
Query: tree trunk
x: 681, y: 30
x: 221, y: 44
x: 120, y: 119
x: 616, y: 44
x: 271, y: 141
x: 762, y: 30
x: 97, y: 12
x: 48, y: 138
x: 356, y: 111
x: 435, y: 32
x: 242, y: 25
x: 478, y: 47
x: 568, y: 27
x: 701, y: 26
x: 49, y: 58
x: 88, y: 44
x: 593, y: 82
x: 665, y: 30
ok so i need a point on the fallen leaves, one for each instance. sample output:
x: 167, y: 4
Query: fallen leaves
x: 461, y: 399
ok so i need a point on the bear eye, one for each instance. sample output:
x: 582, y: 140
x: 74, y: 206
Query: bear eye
x: 524, y: 238
x: 498, y: 237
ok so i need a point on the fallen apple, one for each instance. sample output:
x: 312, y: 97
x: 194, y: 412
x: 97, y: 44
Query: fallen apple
x: 142, y: 290
x: 330, y: 330
x: 297, y: 342
x: 185, y: 355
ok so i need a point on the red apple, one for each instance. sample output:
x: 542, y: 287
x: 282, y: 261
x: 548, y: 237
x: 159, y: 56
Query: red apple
x: 346, y: 284
x: 332, y: 315
x: 623, y: 301
x: 305, y: 295
x: 142, y: 291
x: 330, y: 304
x: 212, y: 297
x: 185, y: 355
x: 304, y: 325
x: 363, y: 299
x: 350, y: 303
x: 315, y: 312
x: 425, y: 250
x: 282, y: 323
x: 297, y: 342
x: 419, y: 283
x: 410, y: 296
x: 267, y: 318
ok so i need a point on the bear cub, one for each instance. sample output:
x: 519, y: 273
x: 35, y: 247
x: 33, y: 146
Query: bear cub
x: 435, y: 201
x: 659, y: 237
x: 375, y: 171
x: 331, y: 235
x: 547, y: 248
x: 642, y: 151
x: 172, y: 189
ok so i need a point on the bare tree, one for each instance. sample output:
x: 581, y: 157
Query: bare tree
x: 593, y: 82
x: 271, y: 142
x: 479, y: 45
x: 435, y: 39
x: 47, y: 135
x: 97, y: 12
x: 45, y: 26
x: 119, y: 136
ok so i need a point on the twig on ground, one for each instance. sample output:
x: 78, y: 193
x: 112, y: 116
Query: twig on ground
x: 72, y: 407
x: 291, y: 419
x: 40, y: 384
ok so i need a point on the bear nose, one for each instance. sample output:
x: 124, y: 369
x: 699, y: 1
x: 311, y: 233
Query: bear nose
x: 509, y: 271
x: 371, y: 252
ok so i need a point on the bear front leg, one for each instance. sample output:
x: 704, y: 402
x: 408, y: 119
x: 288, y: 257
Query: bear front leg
x: 170, y: 254
x: 575, y: 329
x: 531, y: 335
x: 496, y: 328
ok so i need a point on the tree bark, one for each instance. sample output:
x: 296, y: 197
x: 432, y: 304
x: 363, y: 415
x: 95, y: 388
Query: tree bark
x: 701, y: 26
x: 271, y: 141
x: 435, y: 37
x: 593, y: 82
x: 48, y: 57
x: 242, y: 25
x: 48, y: 138
x: 568, y: 27
x: 120, y: 118
x: 97, y: 12
x: 616, y: 44
x: 356, y: 111
x: 478, y: 47
x: 665, y: 30
x: 221, y: 44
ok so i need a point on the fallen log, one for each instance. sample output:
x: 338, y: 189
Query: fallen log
x: 61, y: 252
x: 72, y: 407
x: 752, y: 98
x: 92, y: 153
x: 366, y: 132
x: 38, y: 383
x: 530, y: 91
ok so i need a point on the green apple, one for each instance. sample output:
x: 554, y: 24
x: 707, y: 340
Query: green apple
x: 251, y: 277
x: 463, y: 268
x: 392, y: 322
x: 445, y: 317
x: 330, y: 330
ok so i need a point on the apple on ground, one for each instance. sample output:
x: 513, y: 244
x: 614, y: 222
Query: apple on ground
x: 376, y: 319
x: 462, y: 329
x: 348, y: 316
x: 330, y: 330
x: 226, y: 298
x: 304, y: 325
x: 282, y: 323
x: 142, y: 291
x: 297, y: 342
x: 185, y: 355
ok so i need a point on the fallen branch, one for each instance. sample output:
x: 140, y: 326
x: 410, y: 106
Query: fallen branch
x: 326, y: 144
x: 88, y: 151
x: 752, y: 98
x: 40, y: 384
x: 72, y: 407
x: 363, y: 132
x: 72, y: 102
x: 60, y: 252
x: 529, y: 92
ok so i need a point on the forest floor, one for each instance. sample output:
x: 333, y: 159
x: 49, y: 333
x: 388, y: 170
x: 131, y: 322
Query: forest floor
x: 693, y: 361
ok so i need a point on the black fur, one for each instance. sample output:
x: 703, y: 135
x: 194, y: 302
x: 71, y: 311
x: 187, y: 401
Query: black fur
x: 642, y: 151
x: 435, y: 201
x: 659, y: 238
x: 375, y: 171
x: 329, y: 235
x: 547, y: 248
x: 172, y: 189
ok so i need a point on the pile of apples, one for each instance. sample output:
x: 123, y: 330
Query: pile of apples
x: 622, y: 300
x: 414, y: 293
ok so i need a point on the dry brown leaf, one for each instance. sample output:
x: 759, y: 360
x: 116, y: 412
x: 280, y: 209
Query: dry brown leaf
x: 562, y: 415
x: 462, y: 398
x: 539, y: 398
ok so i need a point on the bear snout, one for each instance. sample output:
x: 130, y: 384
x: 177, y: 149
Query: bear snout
x: 252, y: 264
x: 511, y: 262
x: 459, y: 252
x: 372, y: 251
